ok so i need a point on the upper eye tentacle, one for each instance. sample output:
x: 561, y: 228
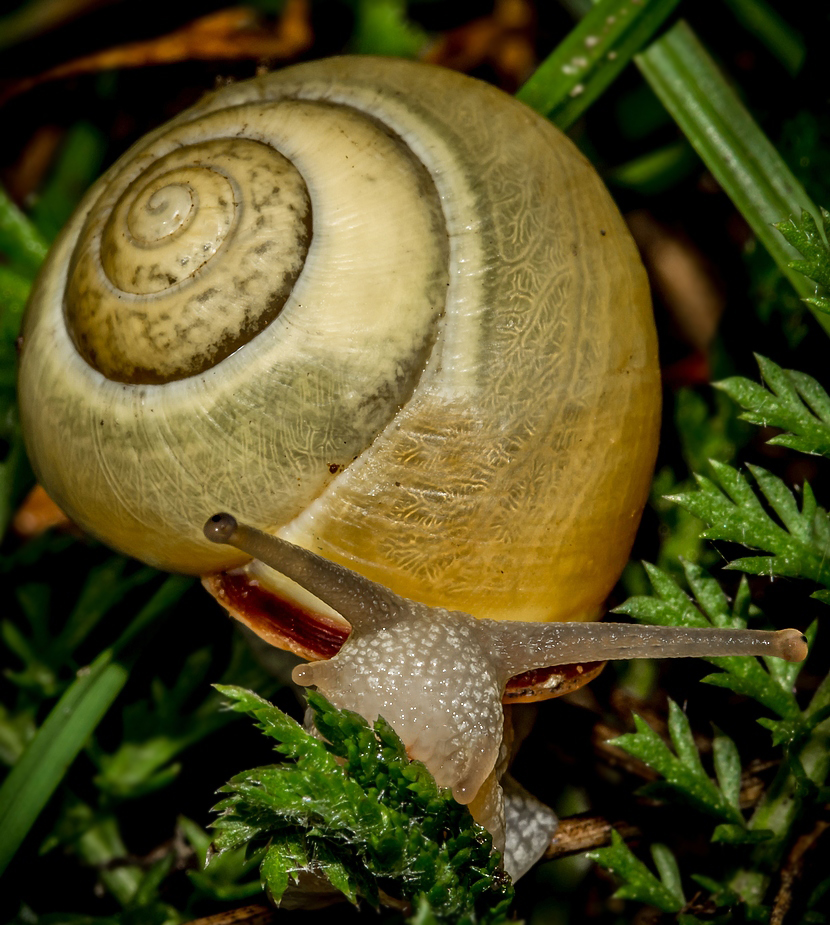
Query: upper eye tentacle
x: 364, y: 603
x: 522, y: 647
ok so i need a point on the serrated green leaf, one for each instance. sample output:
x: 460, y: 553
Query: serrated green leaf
x: 782, y: 502
x: 285, y: 858
x: 230, y: 877
x: 734, y: 513
x: 784, y: 732
x: 727, y: 763
x: 669, y: 591
x: 709, y: 595
x: 682, y: 739
x: 809, y: 238
x: 675, y: 608
x: 683, y: 771
x: 790, y: 732
x: 757, y: 685
x: 669, y: 872
x: 792, y: 401
x: 812, y: 392
x: 735, y: 485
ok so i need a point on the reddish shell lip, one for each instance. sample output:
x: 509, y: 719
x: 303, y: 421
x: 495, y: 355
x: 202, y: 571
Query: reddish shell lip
x: 314, y: 636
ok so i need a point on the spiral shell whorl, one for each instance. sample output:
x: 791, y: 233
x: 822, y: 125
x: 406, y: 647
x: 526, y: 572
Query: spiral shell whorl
x: 156, y: 287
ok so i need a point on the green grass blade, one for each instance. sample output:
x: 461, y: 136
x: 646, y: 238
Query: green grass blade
x: 656, y: 171
x: 591, y: 56
x: 730, y: 143
x: 66, y: 730
x: 759, y: 18
x: 44, y: 763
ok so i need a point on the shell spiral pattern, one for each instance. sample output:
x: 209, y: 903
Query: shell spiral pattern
x: 378, y: 308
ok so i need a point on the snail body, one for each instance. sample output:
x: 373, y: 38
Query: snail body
x: 392, y: 320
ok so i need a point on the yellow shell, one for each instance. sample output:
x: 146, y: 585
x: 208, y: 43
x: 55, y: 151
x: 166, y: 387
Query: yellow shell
x: 378, y: 308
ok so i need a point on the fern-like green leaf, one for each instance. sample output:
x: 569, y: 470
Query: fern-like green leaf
x: 810, y: 239
x: 792, y: 401
x: 638, y: 882
x: 354, y: 810
x: 682, y: 771
x: 800, y: 543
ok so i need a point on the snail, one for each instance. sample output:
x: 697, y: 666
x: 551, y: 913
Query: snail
x: 391, y: 320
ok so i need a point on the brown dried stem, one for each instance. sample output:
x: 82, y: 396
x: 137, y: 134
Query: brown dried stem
x: 792, y: 870
x: 258, y: 914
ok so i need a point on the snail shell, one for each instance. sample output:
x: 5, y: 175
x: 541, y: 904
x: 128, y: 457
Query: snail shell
x: 375, y: 307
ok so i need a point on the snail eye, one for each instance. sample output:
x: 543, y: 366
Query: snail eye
x: 220, y: 528
x: 364, y: 603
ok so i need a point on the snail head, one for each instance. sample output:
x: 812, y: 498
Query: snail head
x: 438, y: 676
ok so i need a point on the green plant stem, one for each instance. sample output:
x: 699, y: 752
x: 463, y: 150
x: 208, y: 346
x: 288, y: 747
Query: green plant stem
x: 656, y: 171
x: 782, y: 804
x: 20, y: 240
x: 63, y: 734
x: 99, y: 846
x: 730, y: 143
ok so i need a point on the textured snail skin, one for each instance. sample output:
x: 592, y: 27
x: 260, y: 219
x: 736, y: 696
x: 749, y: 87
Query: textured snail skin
x: 454, y: 388
x: 439, y: 677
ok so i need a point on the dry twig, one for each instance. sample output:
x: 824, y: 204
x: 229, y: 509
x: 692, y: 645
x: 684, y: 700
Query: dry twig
x: 583, y: 833
x: 234, y: 34
x: 259, y: 914
x: 792, y: 870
